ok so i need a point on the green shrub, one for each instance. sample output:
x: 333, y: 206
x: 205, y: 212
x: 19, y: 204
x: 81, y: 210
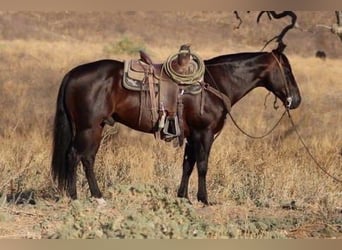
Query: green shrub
x: 124, y: 46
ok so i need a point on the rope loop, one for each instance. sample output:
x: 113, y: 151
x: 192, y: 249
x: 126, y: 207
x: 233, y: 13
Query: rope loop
x: 190, y: 78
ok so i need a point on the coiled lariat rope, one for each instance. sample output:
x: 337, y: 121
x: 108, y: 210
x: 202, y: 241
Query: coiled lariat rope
x: 190, y: 78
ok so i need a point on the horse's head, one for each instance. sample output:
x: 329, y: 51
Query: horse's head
x: 281, y: 80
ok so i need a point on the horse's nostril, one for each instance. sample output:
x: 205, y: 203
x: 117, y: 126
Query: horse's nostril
x: 293, y: 102
x: 288, y: 102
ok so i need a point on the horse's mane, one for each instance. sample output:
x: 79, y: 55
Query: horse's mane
x: 232, y: 57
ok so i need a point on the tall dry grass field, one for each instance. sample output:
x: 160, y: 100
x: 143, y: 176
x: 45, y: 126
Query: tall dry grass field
x: 267, y: 188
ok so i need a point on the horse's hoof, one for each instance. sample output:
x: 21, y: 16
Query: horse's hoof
x: 101, y: 202
x: 185, y: 200
x: 206, y: 203
x: 214, y: 203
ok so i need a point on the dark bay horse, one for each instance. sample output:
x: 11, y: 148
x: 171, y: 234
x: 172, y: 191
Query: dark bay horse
x: 92, y: 95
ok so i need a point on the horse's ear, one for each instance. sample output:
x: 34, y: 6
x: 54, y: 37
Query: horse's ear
x: 275, y: 52
x: 280, y: 49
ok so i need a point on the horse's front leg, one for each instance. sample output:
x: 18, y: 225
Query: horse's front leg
x: 188, y: 165
x: 203, y: 146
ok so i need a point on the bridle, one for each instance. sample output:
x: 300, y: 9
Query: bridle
x: 287, y: 91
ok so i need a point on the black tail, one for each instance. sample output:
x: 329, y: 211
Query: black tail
x: 62, y: 138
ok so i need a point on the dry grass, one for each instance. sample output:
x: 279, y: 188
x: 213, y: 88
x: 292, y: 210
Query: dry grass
x: 250, y: 179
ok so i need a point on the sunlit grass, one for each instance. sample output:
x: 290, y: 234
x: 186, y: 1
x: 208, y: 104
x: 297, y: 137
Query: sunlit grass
x: 243, y: 173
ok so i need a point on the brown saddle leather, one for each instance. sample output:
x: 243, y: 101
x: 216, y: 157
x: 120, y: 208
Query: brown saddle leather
x: 139, y: 66
x: 136, y: 71
x: 165, y: 94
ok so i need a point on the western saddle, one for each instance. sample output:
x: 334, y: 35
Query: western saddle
x: 165, y: 84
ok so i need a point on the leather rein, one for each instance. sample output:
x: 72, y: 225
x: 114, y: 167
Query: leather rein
x: 227, y: 103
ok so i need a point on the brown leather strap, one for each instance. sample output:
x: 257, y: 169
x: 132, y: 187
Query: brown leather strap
x: 141, y: 96
x: 152, y: 95
x: 225, y: 99
x: 180, y: 108
x: 202, y: 101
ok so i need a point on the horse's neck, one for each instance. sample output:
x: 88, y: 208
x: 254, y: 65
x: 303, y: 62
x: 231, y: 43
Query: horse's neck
x: 242, y: 82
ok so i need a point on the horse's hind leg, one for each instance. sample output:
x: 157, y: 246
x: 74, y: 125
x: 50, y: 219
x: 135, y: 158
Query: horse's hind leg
x: 88, y: 142
x: 72, y: 161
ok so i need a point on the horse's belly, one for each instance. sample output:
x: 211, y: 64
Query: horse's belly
x: 133, y: 120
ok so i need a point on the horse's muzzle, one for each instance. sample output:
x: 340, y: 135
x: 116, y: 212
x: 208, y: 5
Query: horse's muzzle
x: 292, y: 102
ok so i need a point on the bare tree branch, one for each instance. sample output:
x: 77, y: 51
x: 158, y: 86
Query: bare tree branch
x: 261, y: 13
x: 237, y: 16
x: 279, y: 38
x: 338, y: 17
x: 335, y: 28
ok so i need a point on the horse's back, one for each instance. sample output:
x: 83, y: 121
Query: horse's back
x: 104, y: 66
